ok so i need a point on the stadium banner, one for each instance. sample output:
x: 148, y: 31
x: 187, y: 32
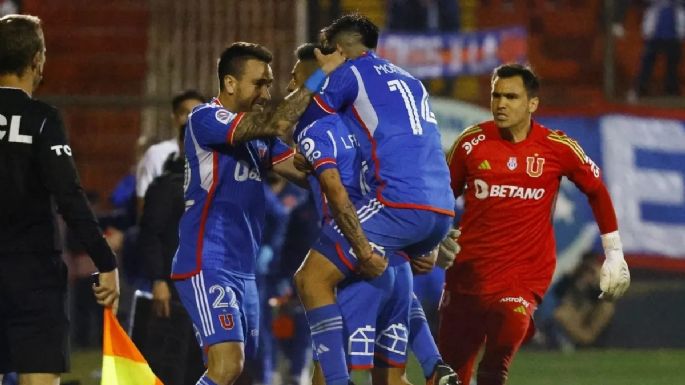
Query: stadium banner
x: 643, y: 165
x: 454, y: 54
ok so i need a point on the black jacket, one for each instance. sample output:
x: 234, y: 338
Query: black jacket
x: 37, y: 173
x: 158, y: 237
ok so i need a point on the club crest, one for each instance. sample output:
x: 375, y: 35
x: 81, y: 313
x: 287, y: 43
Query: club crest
x: 512, y: 163
x: 534, y: 166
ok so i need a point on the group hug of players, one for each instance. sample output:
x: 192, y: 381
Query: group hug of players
x: 369, y: 148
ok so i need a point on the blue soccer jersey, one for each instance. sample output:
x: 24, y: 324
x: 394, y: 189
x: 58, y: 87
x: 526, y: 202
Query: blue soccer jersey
x: 397, y: 131
x: 224, y: 196
x: 329, y: 143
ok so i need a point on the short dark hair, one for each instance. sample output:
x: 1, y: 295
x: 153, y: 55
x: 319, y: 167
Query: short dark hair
x: 306, y: 51
x: 232, y: 60
x: 530, y: 80
x: 355, y: 23
x: 21, y: 38
x: 183, y: 96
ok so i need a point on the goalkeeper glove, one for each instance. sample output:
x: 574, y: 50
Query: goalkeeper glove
x: 614, y: 277
x: 448, y: 249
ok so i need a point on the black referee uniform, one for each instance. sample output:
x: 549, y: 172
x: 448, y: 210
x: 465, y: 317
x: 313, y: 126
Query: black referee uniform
x: 38, y: 177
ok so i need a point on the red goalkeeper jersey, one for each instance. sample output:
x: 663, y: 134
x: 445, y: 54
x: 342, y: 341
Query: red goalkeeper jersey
x: 509, y: 189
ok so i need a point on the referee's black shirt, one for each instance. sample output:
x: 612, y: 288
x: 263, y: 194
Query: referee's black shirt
x: 37, y: 173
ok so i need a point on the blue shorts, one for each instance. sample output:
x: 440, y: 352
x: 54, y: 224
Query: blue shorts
x: 392, y: 232
x: 376, y: 318
x: 223, y: 308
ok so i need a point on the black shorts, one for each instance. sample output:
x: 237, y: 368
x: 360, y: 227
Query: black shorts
x: 34, y: 327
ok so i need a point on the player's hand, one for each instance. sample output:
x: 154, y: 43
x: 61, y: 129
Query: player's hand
x: 107, y: 290
x: 614, y: 277
x: 301, y: 164
x: 161, y: 299
x: 448, y: 249
x: 372, y: 266
x: 424, y: 263
x: 330, y: 62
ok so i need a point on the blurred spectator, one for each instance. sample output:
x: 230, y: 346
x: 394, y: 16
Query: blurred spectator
x: 663, y: 29
x: 423, y: 15
x: 572, y: 313
x: 280, y: 325
x: 8, y: 7
x: 152, y: 162
x: 168, y: 344
x: 290, y: 326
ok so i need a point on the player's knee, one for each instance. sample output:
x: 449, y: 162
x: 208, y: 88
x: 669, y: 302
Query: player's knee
x: 225, y: 363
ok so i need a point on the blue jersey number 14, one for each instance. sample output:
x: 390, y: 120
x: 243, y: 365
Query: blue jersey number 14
x: 410, y: 104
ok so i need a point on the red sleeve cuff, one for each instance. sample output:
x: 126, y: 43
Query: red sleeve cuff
x: 231, y: 128
x: 282, y: 156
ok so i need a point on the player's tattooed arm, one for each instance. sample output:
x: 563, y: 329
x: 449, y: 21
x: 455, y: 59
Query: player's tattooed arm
x: 344, y: 212
x: 273, y: 123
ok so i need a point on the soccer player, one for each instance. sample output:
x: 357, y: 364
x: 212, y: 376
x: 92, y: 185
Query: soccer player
x: 408, y: 209
x: 230, y: 143
x: 330, y: 147
x: 38, y: 176
x: 509, y: 170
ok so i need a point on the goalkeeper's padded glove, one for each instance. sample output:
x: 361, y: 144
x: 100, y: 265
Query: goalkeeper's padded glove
x: 448, y: 249
x: 614, y: 277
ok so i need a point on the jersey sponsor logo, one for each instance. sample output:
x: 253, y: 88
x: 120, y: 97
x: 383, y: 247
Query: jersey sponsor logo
x: 469, y: 145
x: 534, y: 166
x: 361, y: 341
x: 244, y: 171
x: 593, y: 166
x: 484, y: 165
x: 483, y: 190
x: 223, y: 116
x: 15, y: 135
x: 308, y: 149
x: 512, y: 163
x: 61, y: 148
x: 519, y: 299
x: 226, y: 321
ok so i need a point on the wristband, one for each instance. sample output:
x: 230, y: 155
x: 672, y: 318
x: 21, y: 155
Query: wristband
x: 611, y: 243
x: 315, y: 80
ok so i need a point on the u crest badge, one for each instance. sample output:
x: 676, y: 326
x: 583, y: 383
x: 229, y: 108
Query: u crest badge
x: 512, y: 163
x: 534, y: 166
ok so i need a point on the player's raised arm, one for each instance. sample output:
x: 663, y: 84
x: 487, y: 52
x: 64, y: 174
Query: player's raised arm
x: 287, y: 113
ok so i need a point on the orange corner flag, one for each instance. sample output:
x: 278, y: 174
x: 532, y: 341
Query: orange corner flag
x: 122, y: 363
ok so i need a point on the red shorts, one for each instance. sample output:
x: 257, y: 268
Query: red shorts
x: 502, y: 321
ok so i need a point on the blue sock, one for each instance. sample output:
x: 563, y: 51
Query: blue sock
x: 204, y: 380
x: 326, y: 326
x: 421, y: 340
